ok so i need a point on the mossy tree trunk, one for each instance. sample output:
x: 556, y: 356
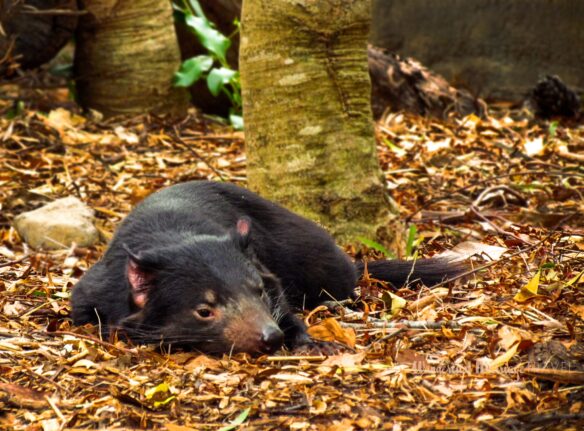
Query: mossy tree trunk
x: 308, y: 122
x: 126, y: 54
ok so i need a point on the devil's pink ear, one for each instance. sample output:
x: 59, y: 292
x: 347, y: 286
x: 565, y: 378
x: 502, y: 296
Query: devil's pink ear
x: 140, y: 279
x: 242, y: 230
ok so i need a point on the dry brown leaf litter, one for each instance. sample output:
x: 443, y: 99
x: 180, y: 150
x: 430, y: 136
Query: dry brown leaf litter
x: 462, y: 356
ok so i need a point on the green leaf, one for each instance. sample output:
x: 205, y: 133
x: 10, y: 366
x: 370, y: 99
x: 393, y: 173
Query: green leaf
x: 376, y: 246
x: 210, y: 38
x: 191, y: 70
x: 236, y: 121
x: 63, y: 71
x: 410, y: 244
x: 553, y: 128
x: 196, y: 6
x: 237, y: 421
x: 237, y: 98
x: 397, y: 150
x: 217, y: 79
x: 16, y: 110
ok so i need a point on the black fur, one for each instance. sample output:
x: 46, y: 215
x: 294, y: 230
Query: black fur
x: 215, y: 267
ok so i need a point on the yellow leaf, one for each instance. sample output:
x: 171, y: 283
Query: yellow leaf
x: 397, y: 303
x: 504, y: 358
x: 529, y: 290
x: 470, y: 122
x: 159, y: 394
x: 577, y: 279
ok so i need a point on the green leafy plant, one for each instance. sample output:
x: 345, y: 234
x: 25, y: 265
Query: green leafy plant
x: 16, y: 110
x: 552, y: 129
x: 377, y: 247
x: 213, y: 67
x: 412, y: 242
x: 239, y: 420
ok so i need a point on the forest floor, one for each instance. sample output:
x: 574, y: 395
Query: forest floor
x: 500, y: 350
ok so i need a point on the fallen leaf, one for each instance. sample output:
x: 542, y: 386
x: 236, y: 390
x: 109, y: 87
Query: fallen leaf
x: 529, y: 290
x: 345, y: 359
x: 237, y: 421
x: 174, y: 427
x: 160, y: 394
x: 467, y: 249
x: 196, y: 362
x: 20, y: 396
x: 504, y: 358
x: 578, y: 310
x: 344, y: 425
x: 318, y: 407
x: 534, y: 147
x: 294, y: 426
x: 331, y: 330
x: 51, y: 425
x: 62, y: 119
x: 508, y: 336
x: 13, y: 309
x: 292, y: 378
x: 577, y: 279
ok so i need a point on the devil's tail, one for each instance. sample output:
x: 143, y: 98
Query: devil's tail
x: 402, y: 272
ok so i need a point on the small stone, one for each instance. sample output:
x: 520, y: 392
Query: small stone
x: 58, y: 225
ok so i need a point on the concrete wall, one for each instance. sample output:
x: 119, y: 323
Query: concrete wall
x: 495, y: 48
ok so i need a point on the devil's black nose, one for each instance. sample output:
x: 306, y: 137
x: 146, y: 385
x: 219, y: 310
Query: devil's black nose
x: 272, y: 339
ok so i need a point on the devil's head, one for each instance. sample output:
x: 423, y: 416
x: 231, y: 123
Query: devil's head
x: 206, y: 293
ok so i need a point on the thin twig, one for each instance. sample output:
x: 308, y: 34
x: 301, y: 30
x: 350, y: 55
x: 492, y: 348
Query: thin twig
x: 500, y: 231
x: 500, y: 187
x: 93, y: 339
x: 189, y: 148
x: 508, y: 257
x: 14, y: 262
x: 406, y: 324
x: 488, y: 180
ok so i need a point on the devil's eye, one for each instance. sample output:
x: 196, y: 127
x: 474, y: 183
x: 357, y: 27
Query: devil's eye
x: 204, y: 312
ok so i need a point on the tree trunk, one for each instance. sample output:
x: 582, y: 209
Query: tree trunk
x: 126, y: 55
x: 308, y: 122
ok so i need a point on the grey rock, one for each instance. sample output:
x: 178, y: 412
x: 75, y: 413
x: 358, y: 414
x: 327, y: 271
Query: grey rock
x: 58, y: 225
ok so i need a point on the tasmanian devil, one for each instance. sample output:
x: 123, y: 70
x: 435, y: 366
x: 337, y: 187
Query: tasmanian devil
x: 214, y: 267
